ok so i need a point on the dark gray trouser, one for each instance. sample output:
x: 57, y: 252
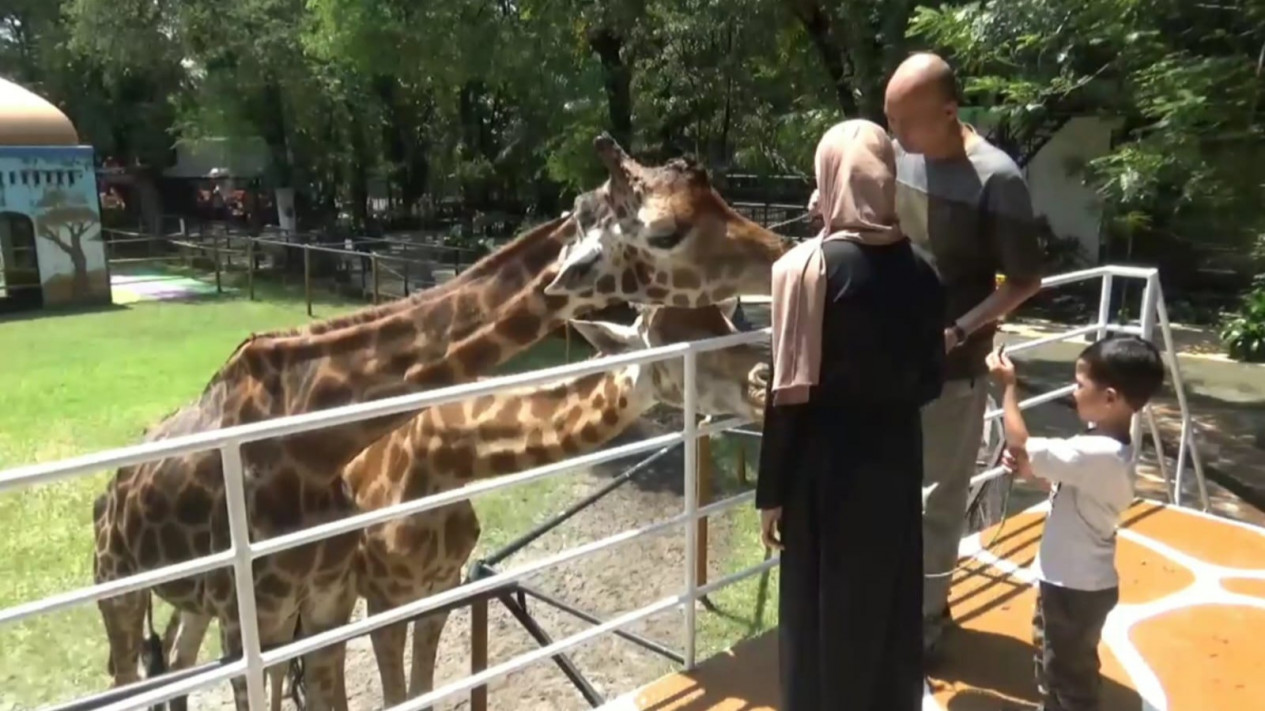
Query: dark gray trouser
x: 1066, y: 628
x: 952, y: 427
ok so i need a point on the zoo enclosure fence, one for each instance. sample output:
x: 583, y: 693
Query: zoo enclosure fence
x: 243, y: 551
x: 386, y: 267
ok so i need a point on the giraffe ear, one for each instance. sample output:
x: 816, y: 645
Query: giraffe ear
x: 607, y: 337
x: 579, y: 268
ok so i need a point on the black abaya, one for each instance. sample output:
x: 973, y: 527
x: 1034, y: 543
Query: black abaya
x: 846, y: 469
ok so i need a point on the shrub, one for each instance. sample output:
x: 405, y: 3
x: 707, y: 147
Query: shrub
x: 1244, y: 332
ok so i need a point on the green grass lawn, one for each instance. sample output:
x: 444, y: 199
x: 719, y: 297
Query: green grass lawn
x: 76, y: 383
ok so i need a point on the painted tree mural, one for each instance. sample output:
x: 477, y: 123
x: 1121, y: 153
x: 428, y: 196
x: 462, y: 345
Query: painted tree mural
x: 67, y: 220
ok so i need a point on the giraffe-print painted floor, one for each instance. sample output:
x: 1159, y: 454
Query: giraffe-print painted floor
x: 1185, y: 637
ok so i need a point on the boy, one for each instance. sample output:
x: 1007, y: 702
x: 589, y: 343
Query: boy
x: 1092, y: 486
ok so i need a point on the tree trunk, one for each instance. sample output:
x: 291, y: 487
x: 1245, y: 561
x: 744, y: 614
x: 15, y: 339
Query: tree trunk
x: 80, y: 286
x: 273, y: 131
x: 817, y: 24
x: 358, y: 171
x: 617, y: 75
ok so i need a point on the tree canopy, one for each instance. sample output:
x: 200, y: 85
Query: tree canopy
x: 496, y: 103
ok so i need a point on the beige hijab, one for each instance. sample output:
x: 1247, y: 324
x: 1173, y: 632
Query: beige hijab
x: 856, y: 183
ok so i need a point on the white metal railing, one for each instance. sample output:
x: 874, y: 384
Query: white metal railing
x: 242, y: 551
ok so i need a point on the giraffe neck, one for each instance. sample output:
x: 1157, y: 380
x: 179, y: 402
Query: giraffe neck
x: 503, y: 433
x: 430, y: 344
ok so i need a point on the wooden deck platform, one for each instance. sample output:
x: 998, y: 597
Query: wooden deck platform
x: 1188, y: 635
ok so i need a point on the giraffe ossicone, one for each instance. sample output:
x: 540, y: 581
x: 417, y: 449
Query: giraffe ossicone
x: 666, y: 237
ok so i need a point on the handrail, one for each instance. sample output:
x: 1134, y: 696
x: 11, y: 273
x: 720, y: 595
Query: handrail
x: 293, y: 424
x: 243, y: 552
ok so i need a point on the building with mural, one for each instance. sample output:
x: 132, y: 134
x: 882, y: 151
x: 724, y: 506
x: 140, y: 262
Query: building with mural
x: 51, y: 249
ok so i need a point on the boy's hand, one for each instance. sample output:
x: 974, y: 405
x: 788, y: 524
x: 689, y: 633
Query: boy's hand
x: 1017, y: 462
x: 1001, y: 367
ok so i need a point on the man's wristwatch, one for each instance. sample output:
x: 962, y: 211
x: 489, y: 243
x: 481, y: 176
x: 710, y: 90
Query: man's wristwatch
x: 959, y: 334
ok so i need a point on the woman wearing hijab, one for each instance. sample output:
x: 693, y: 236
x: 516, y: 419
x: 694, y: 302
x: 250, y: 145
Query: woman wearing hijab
x: 858, y: 347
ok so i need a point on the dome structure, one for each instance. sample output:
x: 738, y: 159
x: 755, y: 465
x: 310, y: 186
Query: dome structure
x: 28, y: 120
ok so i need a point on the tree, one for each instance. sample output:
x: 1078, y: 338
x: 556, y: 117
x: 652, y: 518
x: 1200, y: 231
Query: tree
x: 67, y: 220
x: 1183, y: 78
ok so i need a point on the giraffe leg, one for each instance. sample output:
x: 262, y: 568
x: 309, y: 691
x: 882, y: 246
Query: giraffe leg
x: 181, y: 641
x: 388, y: 650
x: 231, y: 641
x: 324, y: 669
x: 426, y: 634
x: 276, y: 679
x: 278, y: 673
x: 124, y: 620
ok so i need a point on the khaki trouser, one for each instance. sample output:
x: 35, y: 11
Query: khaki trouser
x: 952, y: 427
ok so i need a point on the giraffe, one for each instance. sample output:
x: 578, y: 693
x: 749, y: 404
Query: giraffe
x: 666, y: 237
x: 164, y: 512
x: 451, y: 445
x: 171, y: 510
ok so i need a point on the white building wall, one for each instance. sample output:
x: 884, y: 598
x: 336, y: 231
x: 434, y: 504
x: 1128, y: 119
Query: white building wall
x: 1058, y: 189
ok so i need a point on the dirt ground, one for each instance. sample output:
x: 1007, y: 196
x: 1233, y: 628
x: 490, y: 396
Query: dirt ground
x: 604, y: 584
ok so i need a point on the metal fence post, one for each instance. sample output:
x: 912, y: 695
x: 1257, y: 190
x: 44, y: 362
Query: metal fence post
x: 691, y: 503
x: 250, y: 267
x: 215, y: 250
x: 243, y: 572
x: 1148, y: 314
x: 307, y: 278
x: 376, y: 279
x: 704, y: 484
x: 479, y: 651
x: 1188, y: 432
x: 1104, y: 305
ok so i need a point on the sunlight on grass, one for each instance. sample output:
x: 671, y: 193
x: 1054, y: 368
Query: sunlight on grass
x: 77, y: 383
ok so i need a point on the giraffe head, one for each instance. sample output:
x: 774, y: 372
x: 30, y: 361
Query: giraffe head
x: 662, y: 235
x: 732, y: 381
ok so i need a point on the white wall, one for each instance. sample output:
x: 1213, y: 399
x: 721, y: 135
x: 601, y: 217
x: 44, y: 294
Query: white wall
x: 1058, y: 190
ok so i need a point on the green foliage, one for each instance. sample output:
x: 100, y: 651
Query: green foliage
x: 1182, y: 78
x: 1244, y: 332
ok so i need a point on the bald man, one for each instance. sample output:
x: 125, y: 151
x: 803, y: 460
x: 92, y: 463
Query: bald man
x: 965, y: 205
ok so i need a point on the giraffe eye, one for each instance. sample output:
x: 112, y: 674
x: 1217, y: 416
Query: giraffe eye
x: 666, y: 241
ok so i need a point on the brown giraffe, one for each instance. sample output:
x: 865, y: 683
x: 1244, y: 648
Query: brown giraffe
x: 666, y: 237
x: 168, y: 511
x: 172, y: 510
x: 451, y: 445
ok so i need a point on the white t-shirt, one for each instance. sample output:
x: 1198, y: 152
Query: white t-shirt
x: 1094, y: 486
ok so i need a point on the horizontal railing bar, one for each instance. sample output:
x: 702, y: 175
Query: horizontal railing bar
x: 131, y: 583
x: 739, y: 576
x: 180, y: 688
x: 223, y: 559
x: 491, y: 673
x: 455, y: 595
x: 292, y: 424
x: 359, y: 521
x: 724, y: 504
x: 416, y: 608
x: 720, y: 426
x: 1095, y: 272
x: 1035, y: 400
x: 562, y: 645
x: 1055, y: 338
x: 987, y: 475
